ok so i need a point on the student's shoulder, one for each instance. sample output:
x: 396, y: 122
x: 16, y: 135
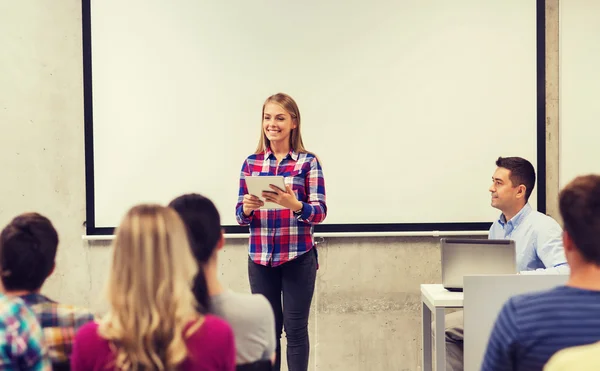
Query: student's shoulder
x: 89, y: 328
x: 87, y: 335
x: 308, y: 157
x: 247, y: 297
x: 245, y: 302
x: 248, y: 309
x: 250, y: 302
x: 255, y: 157
x: 213, y: 323
x: 534, y: 301
x: 15, y: 315
x: 213, y: 330
x: 545, y: 220
x: 65, y: 314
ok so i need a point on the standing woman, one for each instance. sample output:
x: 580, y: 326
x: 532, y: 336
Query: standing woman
x: 153, y: 323
x: 283, y: 256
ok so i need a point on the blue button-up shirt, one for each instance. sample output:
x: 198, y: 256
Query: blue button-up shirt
x: 538, y: 240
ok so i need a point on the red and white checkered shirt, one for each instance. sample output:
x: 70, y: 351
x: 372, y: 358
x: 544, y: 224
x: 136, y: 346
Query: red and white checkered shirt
x: 277, y: 235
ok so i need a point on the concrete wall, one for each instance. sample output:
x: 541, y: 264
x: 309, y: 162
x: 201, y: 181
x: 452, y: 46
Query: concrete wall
x: 366, y: 307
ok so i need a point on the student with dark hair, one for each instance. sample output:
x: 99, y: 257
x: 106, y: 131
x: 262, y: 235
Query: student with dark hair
x: 28, y: 247
x: 532, y: 327
x: 538, y: 238
x: 250, y: 315
x: 536, y: 235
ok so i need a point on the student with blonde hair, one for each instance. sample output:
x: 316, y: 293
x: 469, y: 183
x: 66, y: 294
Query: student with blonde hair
x: 282, y: 261
x: 153, y: 322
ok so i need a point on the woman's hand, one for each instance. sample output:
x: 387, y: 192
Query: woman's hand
x: 285, y: 198
x: 251, y: 203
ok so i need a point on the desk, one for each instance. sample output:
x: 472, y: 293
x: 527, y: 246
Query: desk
x: 434, y: 297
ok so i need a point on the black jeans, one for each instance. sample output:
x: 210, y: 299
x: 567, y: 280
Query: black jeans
x: 296, y: 279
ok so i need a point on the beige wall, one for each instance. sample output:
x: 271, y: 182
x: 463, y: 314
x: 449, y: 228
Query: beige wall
x: 366, y: 310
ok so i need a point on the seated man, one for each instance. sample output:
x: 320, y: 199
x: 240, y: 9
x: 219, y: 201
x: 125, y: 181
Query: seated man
x: 532, y: 327
x: 250, y: 315
x: 537, y: 238
x: 21, y: 341
x: 27, y: 252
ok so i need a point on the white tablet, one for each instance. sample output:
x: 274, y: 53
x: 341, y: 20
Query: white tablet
x: 257, y: 184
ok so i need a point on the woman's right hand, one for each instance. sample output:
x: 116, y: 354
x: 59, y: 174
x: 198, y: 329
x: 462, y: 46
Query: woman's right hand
x: 251, y: 203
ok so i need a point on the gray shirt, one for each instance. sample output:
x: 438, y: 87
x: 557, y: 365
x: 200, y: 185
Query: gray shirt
x: 253, y: 322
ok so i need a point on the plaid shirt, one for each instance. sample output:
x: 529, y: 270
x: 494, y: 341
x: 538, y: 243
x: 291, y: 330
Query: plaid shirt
x: 21, y: 342
x: 277, y: 235
x: 59, y: 323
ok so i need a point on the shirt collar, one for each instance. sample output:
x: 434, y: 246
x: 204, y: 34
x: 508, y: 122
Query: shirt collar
x: 33, y: 298
x: 293, y: 154
x: 517, y: 219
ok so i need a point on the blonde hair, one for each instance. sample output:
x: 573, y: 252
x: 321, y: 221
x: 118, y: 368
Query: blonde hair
x: 149, y: 290
x: 288, y: 104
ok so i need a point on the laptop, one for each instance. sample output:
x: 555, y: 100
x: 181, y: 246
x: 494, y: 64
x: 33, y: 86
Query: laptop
x: 462, y: 257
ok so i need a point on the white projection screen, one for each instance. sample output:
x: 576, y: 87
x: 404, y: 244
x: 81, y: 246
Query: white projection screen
x: 407, y: 103
x: 579, y: 51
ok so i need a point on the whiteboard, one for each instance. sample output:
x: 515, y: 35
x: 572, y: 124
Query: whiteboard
x: 579, y: 125
x: 407, y: 103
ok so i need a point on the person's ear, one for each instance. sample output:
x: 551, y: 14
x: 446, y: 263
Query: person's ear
x: 521, y: 191
x: 221, y: 242
x: 52, y: 269
x: 568, y: 243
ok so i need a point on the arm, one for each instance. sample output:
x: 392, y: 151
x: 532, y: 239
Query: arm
x: 314, y: 209
x: 550, y: 250
x: 243, y: 190
x: 500, y: 352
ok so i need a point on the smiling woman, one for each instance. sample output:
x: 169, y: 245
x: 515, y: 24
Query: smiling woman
x: 283, y: 256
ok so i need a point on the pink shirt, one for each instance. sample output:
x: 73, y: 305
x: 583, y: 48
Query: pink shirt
x: 210, y: 348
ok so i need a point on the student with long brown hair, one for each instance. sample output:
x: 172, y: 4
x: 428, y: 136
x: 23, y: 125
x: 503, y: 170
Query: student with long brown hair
x: 282, y: 252
x: 153, y: 322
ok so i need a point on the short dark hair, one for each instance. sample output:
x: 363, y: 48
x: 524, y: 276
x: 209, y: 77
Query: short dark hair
x: 203, y: 222
x: 28, y: 247
x: 521, y: 172
x: 579, y: 204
